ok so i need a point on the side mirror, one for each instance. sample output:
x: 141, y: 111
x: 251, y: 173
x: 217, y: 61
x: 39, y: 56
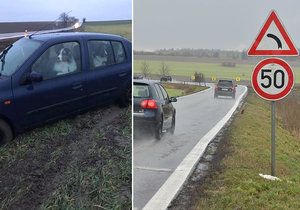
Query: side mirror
x: 173, y: 99
x: 35, y: 77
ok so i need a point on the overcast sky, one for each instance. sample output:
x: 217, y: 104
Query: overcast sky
x: 211, y: 24
x: 39, y: 10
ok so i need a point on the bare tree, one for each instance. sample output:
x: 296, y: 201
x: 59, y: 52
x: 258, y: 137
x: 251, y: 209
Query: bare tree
x: 199, y: 77
x: 146, y: 71
x: 164, y: 69
x: 67, y: 20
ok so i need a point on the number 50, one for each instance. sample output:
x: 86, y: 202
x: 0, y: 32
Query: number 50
x: 275, y: 82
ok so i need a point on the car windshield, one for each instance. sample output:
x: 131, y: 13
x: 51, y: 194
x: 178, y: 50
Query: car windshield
x: 141, y: 91
x: 226, y: 83
x: 16, y: 54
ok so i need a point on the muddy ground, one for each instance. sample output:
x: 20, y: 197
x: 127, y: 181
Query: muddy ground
x: 82, y: 163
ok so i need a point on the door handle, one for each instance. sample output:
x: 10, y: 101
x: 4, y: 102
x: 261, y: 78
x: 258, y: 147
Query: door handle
x: 77, y: 86
x: 122, y: 74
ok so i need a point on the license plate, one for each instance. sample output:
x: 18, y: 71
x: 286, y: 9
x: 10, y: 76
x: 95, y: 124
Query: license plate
x: 224, y: 89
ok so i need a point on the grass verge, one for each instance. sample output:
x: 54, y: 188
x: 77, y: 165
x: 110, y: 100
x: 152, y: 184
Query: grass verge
x: 238, y: 185
x: 176, y: 90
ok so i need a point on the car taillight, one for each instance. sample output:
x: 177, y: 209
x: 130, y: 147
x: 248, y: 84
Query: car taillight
x: 149, y: 104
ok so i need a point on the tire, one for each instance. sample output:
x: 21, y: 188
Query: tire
x: 126, y: 97
x: 172, y: 129
x: 158, y: 131
x: 6, y: 133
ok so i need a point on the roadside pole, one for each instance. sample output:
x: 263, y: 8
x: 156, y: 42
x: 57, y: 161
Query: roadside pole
x: 273, y: 143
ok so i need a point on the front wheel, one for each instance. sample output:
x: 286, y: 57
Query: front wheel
x: 6, y: 133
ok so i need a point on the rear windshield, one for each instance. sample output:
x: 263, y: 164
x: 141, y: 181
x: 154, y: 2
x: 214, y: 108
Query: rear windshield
x: 225, y: 83
x: 141, y: 91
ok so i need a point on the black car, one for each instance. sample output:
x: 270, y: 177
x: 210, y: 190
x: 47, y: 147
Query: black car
x: 225, y: 88
x: 138, y: 76
x: 166, y: 78
x: 153, y: 108
x: 50, y: 76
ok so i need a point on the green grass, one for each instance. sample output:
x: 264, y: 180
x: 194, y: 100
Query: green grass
x: 176, y: 90
x: 188, y: 69
x: 123, y: 28
x: 238, y: 185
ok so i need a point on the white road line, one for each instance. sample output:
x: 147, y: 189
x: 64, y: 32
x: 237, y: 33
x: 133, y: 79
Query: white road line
x: 169, y: 190
x: 153, y: 169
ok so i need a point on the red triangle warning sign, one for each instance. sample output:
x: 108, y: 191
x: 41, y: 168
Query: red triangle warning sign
x: 273, y: 40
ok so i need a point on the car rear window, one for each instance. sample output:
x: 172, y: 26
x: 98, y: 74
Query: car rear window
x: 141, y: 91
x: 225, y: 83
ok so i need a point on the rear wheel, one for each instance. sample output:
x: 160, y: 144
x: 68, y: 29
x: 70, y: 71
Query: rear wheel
x: 6, y: 133
x: 172, y: 129
x: 158, y: 131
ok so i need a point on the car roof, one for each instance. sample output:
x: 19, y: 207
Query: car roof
x: 57, y: 36
x: 145, y: 81
x: 227, y: 80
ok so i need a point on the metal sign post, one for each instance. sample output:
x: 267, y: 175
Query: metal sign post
x: 273, y: 142
x: 273, y: 78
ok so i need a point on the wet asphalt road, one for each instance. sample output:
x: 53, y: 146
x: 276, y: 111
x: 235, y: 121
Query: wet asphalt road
x: 154, y: 161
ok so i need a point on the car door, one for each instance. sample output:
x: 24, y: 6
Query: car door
x: 107, y: 71
x: 162, y: 101
x: 168, y: 107
x: 61, y: 91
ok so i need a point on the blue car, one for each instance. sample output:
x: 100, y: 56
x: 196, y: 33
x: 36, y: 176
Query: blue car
x: 47, y: 77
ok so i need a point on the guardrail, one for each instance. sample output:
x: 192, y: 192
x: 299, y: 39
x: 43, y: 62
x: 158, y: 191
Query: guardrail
x: 8, y: 36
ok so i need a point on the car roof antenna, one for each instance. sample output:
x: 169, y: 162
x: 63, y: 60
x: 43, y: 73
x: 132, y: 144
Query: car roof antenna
x: 41, y: 29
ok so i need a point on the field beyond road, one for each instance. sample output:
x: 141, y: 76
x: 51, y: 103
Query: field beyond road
x: 122, y: 27
x: 238, y: 184
x: 188, y: 68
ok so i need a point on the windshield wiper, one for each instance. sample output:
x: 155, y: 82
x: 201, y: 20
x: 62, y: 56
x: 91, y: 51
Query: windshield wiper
x: 2, y: 57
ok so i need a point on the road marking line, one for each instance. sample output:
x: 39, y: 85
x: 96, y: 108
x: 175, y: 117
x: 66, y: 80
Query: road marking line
x: 153, y: 169
x: 169, y: 190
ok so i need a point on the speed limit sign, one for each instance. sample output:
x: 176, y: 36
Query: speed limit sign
x: 272, y: 79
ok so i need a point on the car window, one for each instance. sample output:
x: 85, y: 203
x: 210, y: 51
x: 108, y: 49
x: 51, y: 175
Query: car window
x: 158, y: 90
x: 141, y: 91
x: 58, y: 60
x: 225, y: 83
x: 165, y: 94
x: 100, y: 54
x: 120, y: 55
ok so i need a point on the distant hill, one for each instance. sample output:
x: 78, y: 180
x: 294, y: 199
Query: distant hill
x: 12, y: 27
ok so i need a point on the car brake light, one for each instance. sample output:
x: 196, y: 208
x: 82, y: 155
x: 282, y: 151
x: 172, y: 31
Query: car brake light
x: 149, y: 104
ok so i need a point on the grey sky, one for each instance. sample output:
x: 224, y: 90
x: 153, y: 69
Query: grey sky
x: 39, y: 10
x: 211, y: 24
